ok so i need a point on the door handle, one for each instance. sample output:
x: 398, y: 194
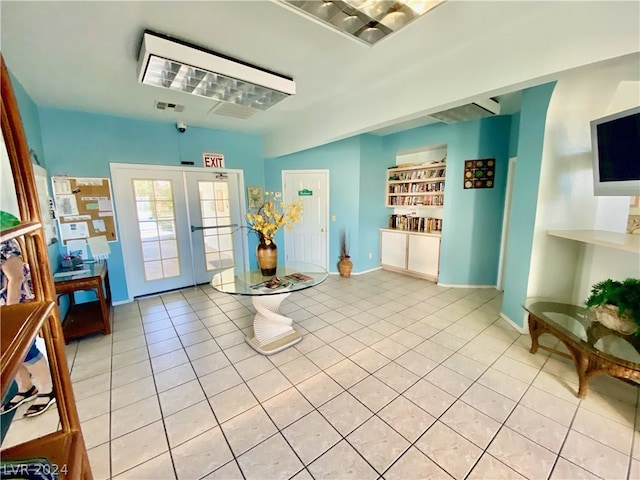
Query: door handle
x: 193, y: 229
x: 323, y: 230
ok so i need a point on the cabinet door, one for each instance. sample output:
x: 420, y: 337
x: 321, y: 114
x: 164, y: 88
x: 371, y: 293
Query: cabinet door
x: 424, y: 255
x: 393, y: 249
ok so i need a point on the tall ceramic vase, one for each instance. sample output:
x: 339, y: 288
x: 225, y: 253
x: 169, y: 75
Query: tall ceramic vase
x: 345, y: 265
x: 267, y: 257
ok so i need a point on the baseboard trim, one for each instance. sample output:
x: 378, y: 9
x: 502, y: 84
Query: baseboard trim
x: 355, y: 274
x: 520, y: 329
x: 456, y: 285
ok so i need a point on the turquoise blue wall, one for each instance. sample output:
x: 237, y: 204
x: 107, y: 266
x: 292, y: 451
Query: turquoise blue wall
x: 472, y: 225
x: 356, y: 193
x: 84, y: 144
x: 342, y: 159
x: 31, y: 124
x: 473, y: 218
x: 30, y: 119
x: 525, y: 198
x: 374, y: 162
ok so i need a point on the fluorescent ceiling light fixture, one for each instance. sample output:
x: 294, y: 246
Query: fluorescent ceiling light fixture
x: 169, y: 63
x: 367, y: 20
x: 472, y: 111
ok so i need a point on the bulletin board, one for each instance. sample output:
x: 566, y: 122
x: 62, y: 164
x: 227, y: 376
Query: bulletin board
x: 84, y: 208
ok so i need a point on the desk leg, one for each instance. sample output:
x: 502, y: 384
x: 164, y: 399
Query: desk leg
x: 105, y: 302
x: 104, y: 308
x: 272, y: 331
x: 535, y: 332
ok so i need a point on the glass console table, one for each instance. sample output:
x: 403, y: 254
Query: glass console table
x: 595, y: 349
x: 272, y: 331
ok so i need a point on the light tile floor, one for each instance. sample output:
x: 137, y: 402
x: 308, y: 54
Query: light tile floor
x: 396, y: 378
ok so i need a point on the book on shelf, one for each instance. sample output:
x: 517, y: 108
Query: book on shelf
x: 415, y: 224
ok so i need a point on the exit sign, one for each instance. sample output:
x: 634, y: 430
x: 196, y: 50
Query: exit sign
x: 213, y: 160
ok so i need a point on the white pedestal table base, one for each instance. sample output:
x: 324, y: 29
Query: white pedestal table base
x: 272, y: 331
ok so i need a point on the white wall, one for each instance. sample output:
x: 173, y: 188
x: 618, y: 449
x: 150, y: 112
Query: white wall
x: 563, y: 269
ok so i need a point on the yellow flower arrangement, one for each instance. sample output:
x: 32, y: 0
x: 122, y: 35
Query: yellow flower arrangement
x: 272, y: 215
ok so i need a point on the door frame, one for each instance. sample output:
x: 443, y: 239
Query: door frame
x: 144, y: 166
x: 327, y: 173
x: 506, y: 216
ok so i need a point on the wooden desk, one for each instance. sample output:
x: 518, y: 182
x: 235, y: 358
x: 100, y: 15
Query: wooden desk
x: 594, y: 348
x: 86, y: 318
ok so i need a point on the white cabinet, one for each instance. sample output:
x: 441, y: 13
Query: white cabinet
x: 410, y: 252
x: 423, y: 255
x: 393, y: 249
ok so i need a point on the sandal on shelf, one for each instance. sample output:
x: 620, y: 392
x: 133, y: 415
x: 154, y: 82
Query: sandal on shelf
x: 22, y: 398
x: 39, y: 408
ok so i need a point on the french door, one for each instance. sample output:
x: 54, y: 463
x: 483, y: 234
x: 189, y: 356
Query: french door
x: 178, y: 227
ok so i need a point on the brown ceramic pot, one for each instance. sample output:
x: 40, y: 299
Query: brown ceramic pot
x: 345, y: 265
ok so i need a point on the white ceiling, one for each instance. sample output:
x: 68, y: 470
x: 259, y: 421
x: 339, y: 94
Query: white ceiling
x: 83, y: 56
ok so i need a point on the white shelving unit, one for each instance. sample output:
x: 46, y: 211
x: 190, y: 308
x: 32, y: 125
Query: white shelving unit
x: 416, y: 186
x: 411, y: 243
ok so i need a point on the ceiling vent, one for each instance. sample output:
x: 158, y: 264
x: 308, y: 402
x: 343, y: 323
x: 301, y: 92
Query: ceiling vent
x: 169, y: 106
x: 233, y: 110
x: 472, y: 111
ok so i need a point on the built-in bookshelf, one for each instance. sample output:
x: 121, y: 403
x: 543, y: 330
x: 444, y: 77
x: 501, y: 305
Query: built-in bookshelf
x: 415, y: 224
x: 416, y: 185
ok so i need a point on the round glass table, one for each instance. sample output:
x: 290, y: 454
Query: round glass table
x: 272, y: 331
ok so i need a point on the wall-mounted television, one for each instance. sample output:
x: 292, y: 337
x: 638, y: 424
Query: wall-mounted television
x: 616, y: 153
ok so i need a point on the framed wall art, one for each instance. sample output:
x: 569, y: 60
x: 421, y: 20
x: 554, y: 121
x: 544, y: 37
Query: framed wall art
x: 479, y: 173
x: 254, y: 194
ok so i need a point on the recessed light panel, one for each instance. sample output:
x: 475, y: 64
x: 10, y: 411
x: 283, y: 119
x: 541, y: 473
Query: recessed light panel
x: 178, y: 66
x: 367, y: 20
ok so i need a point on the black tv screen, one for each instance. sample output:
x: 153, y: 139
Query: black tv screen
x: 616, y: 153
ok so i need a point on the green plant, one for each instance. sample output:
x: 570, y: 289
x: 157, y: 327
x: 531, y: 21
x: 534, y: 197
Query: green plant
x: 625, y: 295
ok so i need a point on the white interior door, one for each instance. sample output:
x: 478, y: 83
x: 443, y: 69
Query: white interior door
x: 157, y: 207
x: 307, y: 242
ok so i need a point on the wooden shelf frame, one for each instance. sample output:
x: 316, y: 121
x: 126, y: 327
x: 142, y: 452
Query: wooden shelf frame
x: 65, y: 449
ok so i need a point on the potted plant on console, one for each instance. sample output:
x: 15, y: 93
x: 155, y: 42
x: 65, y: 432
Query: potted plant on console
x: 617, y: 304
